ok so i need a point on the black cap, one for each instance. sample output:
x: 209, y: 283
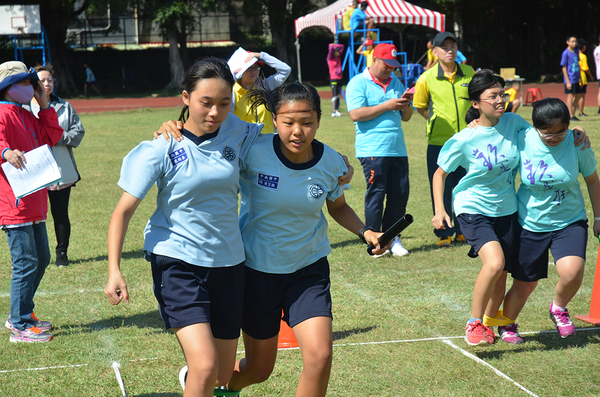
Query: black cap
x: 440, y: 37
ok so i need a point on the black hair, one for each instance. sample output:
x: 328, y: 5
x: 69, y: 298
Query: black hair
x: 580, y: 44
x: 276, y: 98
x: 209, y: 68
x: 549, y: 112
x: 364, y: 4
x: 481, y: 81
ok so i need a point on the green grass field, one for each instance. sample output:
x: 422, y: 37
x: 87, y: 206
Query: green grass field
x: 398, y: 322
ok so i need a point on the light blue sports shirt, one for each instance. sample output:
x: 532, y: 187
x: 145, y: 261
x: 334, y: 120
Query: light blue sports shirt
x: 491, y: 158
x: 383, y: 135
x: 281, y: 217
x: 196, y: 217
x: 550, y: 197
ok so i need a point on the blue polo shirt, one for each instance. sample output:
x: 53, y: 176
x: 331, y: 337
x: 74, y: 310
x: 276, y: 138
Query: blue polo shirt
x: 358, y: 17
x: 281, y: 213
x: 383, y: 135
x: 196, y: 216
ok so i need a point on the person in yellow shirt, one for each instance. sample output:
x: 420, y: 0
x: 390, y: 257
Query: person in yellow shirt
x: 513, y: 103
x: 368, y: 45
x: 348, y: 14
x: 439, y: 98
x: 585, y: 71
x: 241, y: 104
x: 431, y: 58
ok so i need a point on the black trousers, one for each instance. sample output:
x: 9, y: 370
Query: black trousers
x: 59, y: 206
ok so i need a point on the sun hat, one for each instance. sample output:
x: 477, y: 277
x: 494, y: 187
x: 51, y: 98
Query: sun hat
x: 13, y: 72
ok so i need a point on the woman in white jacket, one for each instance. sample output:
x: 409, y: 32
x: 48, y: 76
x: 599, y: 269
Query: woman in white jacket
x: 241, y: 106
x: 60, y: 192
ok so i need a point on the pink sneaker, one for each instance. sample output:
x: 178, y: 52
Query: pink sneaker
x: 31, y: 334
x: 563, y: 322
x: 510, y: 333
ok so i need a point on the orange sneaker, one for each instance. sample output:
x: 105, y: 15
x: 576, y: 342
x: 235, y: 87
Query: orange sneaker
x: 479, y: 334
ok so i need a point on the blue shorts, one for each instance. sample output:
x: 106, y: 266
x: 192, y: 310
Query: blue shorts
x: 575, y: 89
x: 189, y: 294
x: 532, y: 250
x: 480, y: 229
x: 301, y: 295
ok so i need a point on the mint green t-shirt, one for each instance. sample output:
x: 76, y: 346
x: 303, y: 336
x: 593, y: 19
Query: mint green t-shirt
x: 491, y: 158
x: 549, y: 196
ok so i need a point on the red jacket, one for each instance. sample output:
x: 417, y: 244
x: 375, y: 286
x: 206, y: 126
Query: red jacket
x: 19, y: 129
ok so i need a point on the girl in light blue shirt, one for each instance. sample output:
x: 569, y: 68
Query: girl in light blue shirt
x: 192, y: 239
x: 552, y: 212
x: 484, y: 199
x: 286, y: 180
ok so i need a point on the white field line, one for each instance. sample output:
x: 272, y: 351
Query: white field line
x: 116, y: 366
x: 480, y: 361
x: 440, y: 338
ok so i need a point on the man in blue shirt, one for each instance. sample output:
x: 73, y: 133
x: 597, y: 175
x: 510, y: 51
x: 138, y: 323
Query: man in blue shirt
x: 360, y: 20
x: 377, y: 107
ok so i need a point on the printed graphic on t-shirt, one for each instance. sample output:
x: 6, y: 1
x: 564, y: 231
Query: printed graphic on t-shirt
x: 549, y: 181
x: 268, y: 181
x: 315, y: 191
x: 178, y: 156
x: 490, y: 158
x: 229, y: 153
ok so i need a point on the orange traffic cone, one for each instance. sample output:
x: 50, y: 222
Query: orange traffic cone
x: 594, y: 316
x: 287, y: 339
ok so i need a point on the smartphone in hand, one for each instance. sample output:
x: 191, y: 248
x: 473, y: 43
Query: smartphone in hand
x: 409, y: 93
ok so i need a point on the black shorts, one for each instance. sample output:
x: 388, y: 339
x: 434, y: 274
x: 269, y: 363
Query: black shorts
x: 532, y: 250
x: 301, y: 295
x: 189, y: 294
x: 575, y: 89
x: 509, y: 107
x: 480, y: 229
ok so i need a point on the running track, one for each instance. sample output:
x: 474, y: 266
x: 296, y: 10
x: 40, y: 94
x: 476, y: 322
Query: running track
x: 117, y: 104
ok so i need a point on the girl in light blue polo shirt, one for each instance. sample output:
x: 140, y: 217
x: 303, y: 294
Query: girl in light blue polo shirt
x: 192, y: 239
x: 286, y: 180
x: 552, y: 211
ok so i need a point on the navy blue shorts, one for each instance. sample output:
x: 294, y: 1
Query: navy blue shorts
x: 189, y: 294
x: 509, y: 107
x: 575, y: 89
x: 480, y: 229
x: 301, y: 295
x: 532, y: 250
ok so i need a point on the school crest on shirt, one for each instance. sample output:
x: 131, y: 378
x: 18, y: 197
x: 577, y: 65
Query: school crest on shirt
x: 315, y: 191
x: 178, y: 156
x: 229, y: 153
x: 268, y: 181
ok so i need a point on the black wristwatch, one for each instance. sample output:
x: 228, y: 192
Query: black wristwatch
x: 362, y: 231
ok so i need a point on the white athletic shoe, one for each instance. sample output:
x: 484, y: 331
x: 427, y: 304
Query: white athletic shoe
x: 397, y: 249
x: 386, y: 253
x: 183, y: 376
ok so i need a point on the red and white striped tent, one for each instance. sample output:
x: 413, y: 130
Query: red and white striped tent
x: 382, y: 11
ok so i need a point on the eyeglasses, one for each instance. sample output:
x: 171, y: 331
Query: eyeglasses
x: 560, y: 135
x: 448, y: 48
x: 496, y: 98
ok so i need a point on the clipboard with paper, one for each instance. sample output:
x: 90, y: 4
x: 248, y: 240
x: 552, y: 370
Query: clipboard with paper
x: 40, y: 172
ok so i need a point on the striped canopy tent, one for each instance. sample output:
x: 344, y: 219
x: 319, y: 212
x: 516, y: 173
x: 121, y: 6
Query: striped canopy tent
x: 382, y: 11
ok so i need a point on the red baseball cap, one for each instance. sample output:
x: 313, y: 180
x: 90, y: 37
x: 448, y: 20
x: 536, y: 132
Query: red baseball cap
x: 387, y: 53
x: 368, y: 42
